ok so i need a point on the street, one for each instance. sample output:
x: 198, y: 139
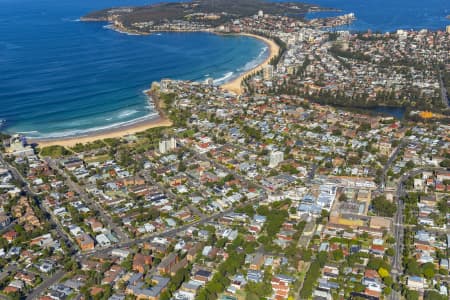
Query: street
x: 90, y: 202
x: 397, y: 269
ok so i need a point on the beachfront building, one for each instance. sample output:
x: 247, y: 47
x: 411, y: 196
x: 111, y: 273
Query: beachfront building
x: 18, y: 146
x: 268, y: 72
x: 167, y: 145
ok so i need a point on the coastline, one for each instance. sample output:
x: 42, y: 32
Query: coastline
x: 235, y: 85
x: 113, y: 133
x: 161, y: 121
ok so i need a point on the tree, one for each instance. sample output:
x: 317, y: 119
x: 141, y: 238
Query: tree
x: 411, y: 295
x: 71, y: 265
x: 165, y: 295
x: 251, y: 296
x: 390, y: 252
x: 442, y: 206
x: 383, y: 272
x: 289, y: 169
x: 410, y: 164
x: 247, y: 209
x: 261, y: 289
x: 445, y: 163
x: 322, y: 258
x: 412, y: 267
x: 338, y: 255
x: 127, y: 264
x: 390, y: 240
x: 343, y: 198
x: 311, y: 276
x: 433, y: 295
x: 388, y: 281
x: 428, y: 270
x: 275, y: 219
x: 383, y: 207
x: 376, y: 263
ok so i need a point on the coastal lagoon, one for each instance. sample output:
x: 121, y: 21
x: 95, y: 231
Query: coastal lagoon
x: 60, y: 77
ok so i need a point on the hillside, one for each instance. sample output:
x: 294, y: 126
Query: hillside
x: 205, y: 12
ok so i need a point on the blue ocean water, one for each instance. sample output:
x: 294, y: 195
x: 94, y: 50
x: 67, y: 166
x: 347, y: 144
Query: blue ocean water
x: 61, y: 77
x: 389, y: 15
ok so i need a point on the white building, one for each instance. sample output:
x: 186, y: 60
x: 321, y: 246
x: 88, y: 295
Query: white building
x: 18, y: 146
x: 167, y: 145
x: 416, y: 283
x: 276, y: 157
x: 122, y: 253
x: 103, y: 240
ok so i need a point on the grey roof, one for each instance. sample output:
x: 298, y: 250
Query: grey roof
x: 153, y: 291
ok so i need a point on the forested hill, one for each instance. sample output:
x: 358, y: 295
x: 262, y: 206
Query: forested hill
x: 210, y: 12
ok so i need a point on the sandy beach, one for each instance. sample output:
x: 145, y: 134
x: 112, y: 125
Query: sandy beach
x: 161, y: 121
x: 113, y: 133
x: 235, y: 85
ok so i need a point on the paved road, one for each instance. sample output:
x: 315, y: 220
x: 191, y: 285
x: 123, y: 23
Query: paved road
x: 126, y: 242
x: 7, y: 228
x: 89, y: 201
x: 445, y: 100
x: 224, y: 169
x: 389, y: 162
x: 59, y: 229
x: 398, y: 235
x: 170, y: 194
x: 311, y: 173
x: 9, y: 269
x: 397, y: 269
x: 63, y: 236
x: 46, y: 284
x: 172, y: 232
x: 167, y: 233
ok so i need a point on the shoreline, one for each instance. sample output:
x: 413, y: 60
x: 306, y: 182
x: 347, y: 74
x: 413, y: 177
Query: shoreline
x: 234, y: 86
x: 119, y: 132
x: 101, y: 135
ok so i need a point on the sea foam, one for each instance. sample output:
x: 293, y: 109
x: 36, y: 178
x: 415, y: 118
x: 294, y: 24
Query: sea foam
x: 223, y: 79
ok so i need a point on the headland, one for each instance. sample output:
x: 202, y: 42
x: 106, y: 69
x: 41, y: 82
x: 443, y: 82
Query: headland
x: 121, y: 21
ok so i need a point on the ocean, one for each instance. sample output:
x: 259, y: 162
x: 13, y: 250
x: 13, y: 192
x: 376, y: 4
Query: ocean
x: 61, y: 77
x: 389, y: 15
